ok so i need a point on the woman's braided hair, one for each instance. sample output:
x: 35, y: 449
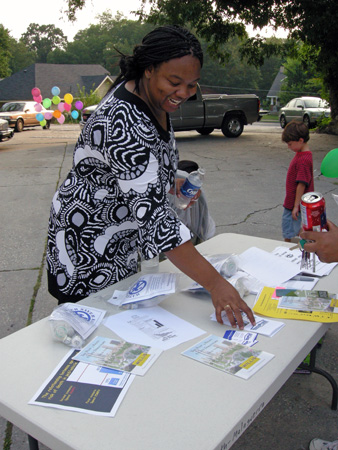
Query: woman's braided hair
x: 160, y: 45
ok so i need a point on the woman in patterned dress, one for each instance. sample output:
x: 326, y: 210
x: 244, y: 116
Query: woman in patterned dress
x: 113, y: 203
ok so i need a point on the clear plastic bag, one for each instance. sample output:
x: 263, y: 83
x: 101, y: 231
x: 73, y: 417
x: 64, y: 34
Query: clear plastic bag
x: 72, y: 323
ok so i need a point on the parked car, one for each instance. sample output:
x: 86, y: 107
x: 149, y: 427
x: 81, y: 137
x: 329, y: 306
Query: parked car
x: 6, y: 133
x: 307, y: 109
x: 22, y: 114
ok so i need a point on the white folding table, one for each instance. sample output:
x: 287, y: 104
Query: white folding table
x: 179, y: 404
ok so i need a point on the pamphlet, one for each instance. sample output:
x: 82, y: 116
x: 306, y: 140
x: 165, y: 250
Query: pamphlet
x: 306, y: 300
x: 232, y: 358
x: 241, y: 337
x: 145, y: 288
x: 80, y: 387
x: 119, y: 355
x: 267, y: 305
x: 264, y: 326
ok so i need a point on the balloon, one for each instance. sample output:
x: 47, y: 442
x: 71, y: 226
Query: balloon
x: 68, y: 98
x: 43, y: 123
x: 61, y: 119
x: 56, y: 99
x: 78, y: 104
x: 61, y: 107
x: 47, y: 102
x: 36, y: 92
x: 48, y: 116
x: 75, y: 114
x: 329, y: 166
x: 39, y: 117
x: 67, y: 106
x: 55, y: 91
x: 37, y: 107
x: 57, y: 114
x: 37, y: 99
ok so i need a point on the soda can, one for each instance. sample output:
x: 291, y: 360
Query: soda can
x: 312, y: 208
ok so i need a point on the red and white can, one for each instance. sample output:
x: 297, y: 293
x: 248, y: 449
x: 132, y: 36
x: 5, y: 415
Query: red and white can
x: 312, y: 208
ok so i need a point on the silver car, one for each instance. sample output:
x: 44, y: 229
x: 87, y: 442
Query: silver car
x: 306, y: 109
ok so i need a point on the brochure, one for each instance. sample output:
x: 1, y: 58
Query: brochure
x: 264, y: 326
x: 306, y: 300
x: 145, y: 288
x: 241, y: 337
x: 267, y: 305
x: 119, y: 355
x: 80, y: 387
x: 232, y: 358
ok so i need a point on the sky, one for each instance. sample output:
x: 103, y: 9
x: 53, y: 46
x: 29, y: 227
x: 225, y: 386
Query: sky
x: 46, y: 12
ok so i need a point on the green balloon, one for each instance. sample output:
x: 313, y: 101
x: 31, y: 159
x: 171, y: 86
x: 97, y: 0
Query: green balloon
x: 329, y: 166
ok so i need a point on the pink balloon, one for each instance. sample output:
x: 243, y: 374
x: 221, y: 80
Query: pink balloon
x: 37, y: 98
x: 61, y: 119
x: 61, y: 107
x: 37, y: 107
x: 67, y: 106
x: 36, y: 92
x: 48, y: 115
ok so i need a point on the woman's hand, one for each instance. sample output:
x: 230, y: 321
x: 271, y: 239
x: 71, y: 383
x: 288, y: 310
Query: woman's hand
x: 224, y: 296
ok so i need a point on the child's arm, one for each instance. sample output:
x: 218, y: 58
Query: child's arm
x: 299, y: 192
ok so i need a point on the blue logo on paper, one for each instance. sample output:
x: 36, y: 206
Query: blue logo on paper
x: 138, y: 287
x: 83, y: 314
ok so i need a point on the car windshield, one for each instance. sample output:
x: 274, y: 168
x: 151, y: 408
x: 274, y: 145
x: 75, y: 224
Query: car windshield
x: 7, y: 107
x: 315, y: 103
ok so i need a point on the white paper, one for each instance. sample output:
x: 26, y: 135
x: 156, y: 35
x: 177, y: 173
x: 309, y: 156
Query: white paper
x: 146, y: 287
x: 155, y: 327
x: 295, y: 256
x: 268, y: 268
x: 264, y: 326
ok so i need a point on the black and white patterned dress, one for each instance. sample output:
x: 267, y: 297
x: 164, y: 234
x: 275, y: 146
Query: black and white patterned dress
x: 114, y: 200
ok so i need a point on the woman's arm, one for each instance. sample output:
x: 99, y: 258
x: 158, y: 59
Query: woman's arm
x: 224, y: 296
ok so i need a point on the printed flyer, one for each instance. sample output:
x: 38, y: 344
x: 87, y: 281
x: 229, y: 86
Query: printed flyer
x: 232, y: 358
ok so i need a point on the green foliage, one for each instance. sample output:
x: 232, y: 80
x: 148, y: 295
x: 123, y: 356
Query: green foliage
x: 5, y: 53
x: 21, y: 57
x: 88, y: 99
x: 42, y: 39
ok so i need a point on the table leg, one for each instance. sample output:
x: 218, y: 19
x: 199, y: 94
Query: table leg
x: 312, y: 368
x: 33, y: 443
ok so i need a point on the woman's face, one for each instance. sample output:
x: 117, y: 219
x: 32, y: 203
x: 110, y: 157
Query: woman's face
x: 171, y: 83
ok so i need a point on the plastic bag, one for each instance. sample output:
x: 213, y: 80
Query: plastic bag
x: 72, y: 323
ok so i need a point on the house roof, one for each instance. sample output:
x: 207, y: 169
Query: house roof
x: 67, y: 77
x: 277, y: 83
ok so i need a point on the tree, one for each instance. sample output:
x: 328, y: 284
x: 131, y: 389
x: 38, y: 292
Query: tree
x: 21, y: 57
x: 42, y: 39
x: 5, y: 53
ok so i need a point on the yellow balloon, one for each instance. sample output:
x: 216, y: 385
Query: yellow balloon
x: 68, y: 98
x: 43, y: 122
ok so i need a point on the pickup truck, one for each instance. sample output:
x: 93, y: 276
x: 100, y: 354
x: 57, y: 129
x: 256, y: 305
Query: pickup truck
x: 229, y: 113
x: 204, y: 113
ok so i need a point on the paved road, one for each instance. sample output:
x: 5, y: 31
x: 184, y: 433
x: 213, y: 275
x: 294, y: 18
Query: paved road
x: 244, y: 185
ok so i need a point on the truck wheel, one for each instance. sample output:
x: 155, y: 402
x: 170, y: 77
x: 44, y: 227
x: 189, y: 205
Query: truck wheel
x: 205, y: 131
x: 306, y: 120
x: 232, y: 126
x: 47, y: 126
x: 19, y: 125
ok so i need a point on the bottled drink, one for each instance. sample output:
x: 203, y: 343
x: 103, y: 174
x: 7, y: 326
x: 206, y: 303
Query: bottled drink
x: 189, y: 188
